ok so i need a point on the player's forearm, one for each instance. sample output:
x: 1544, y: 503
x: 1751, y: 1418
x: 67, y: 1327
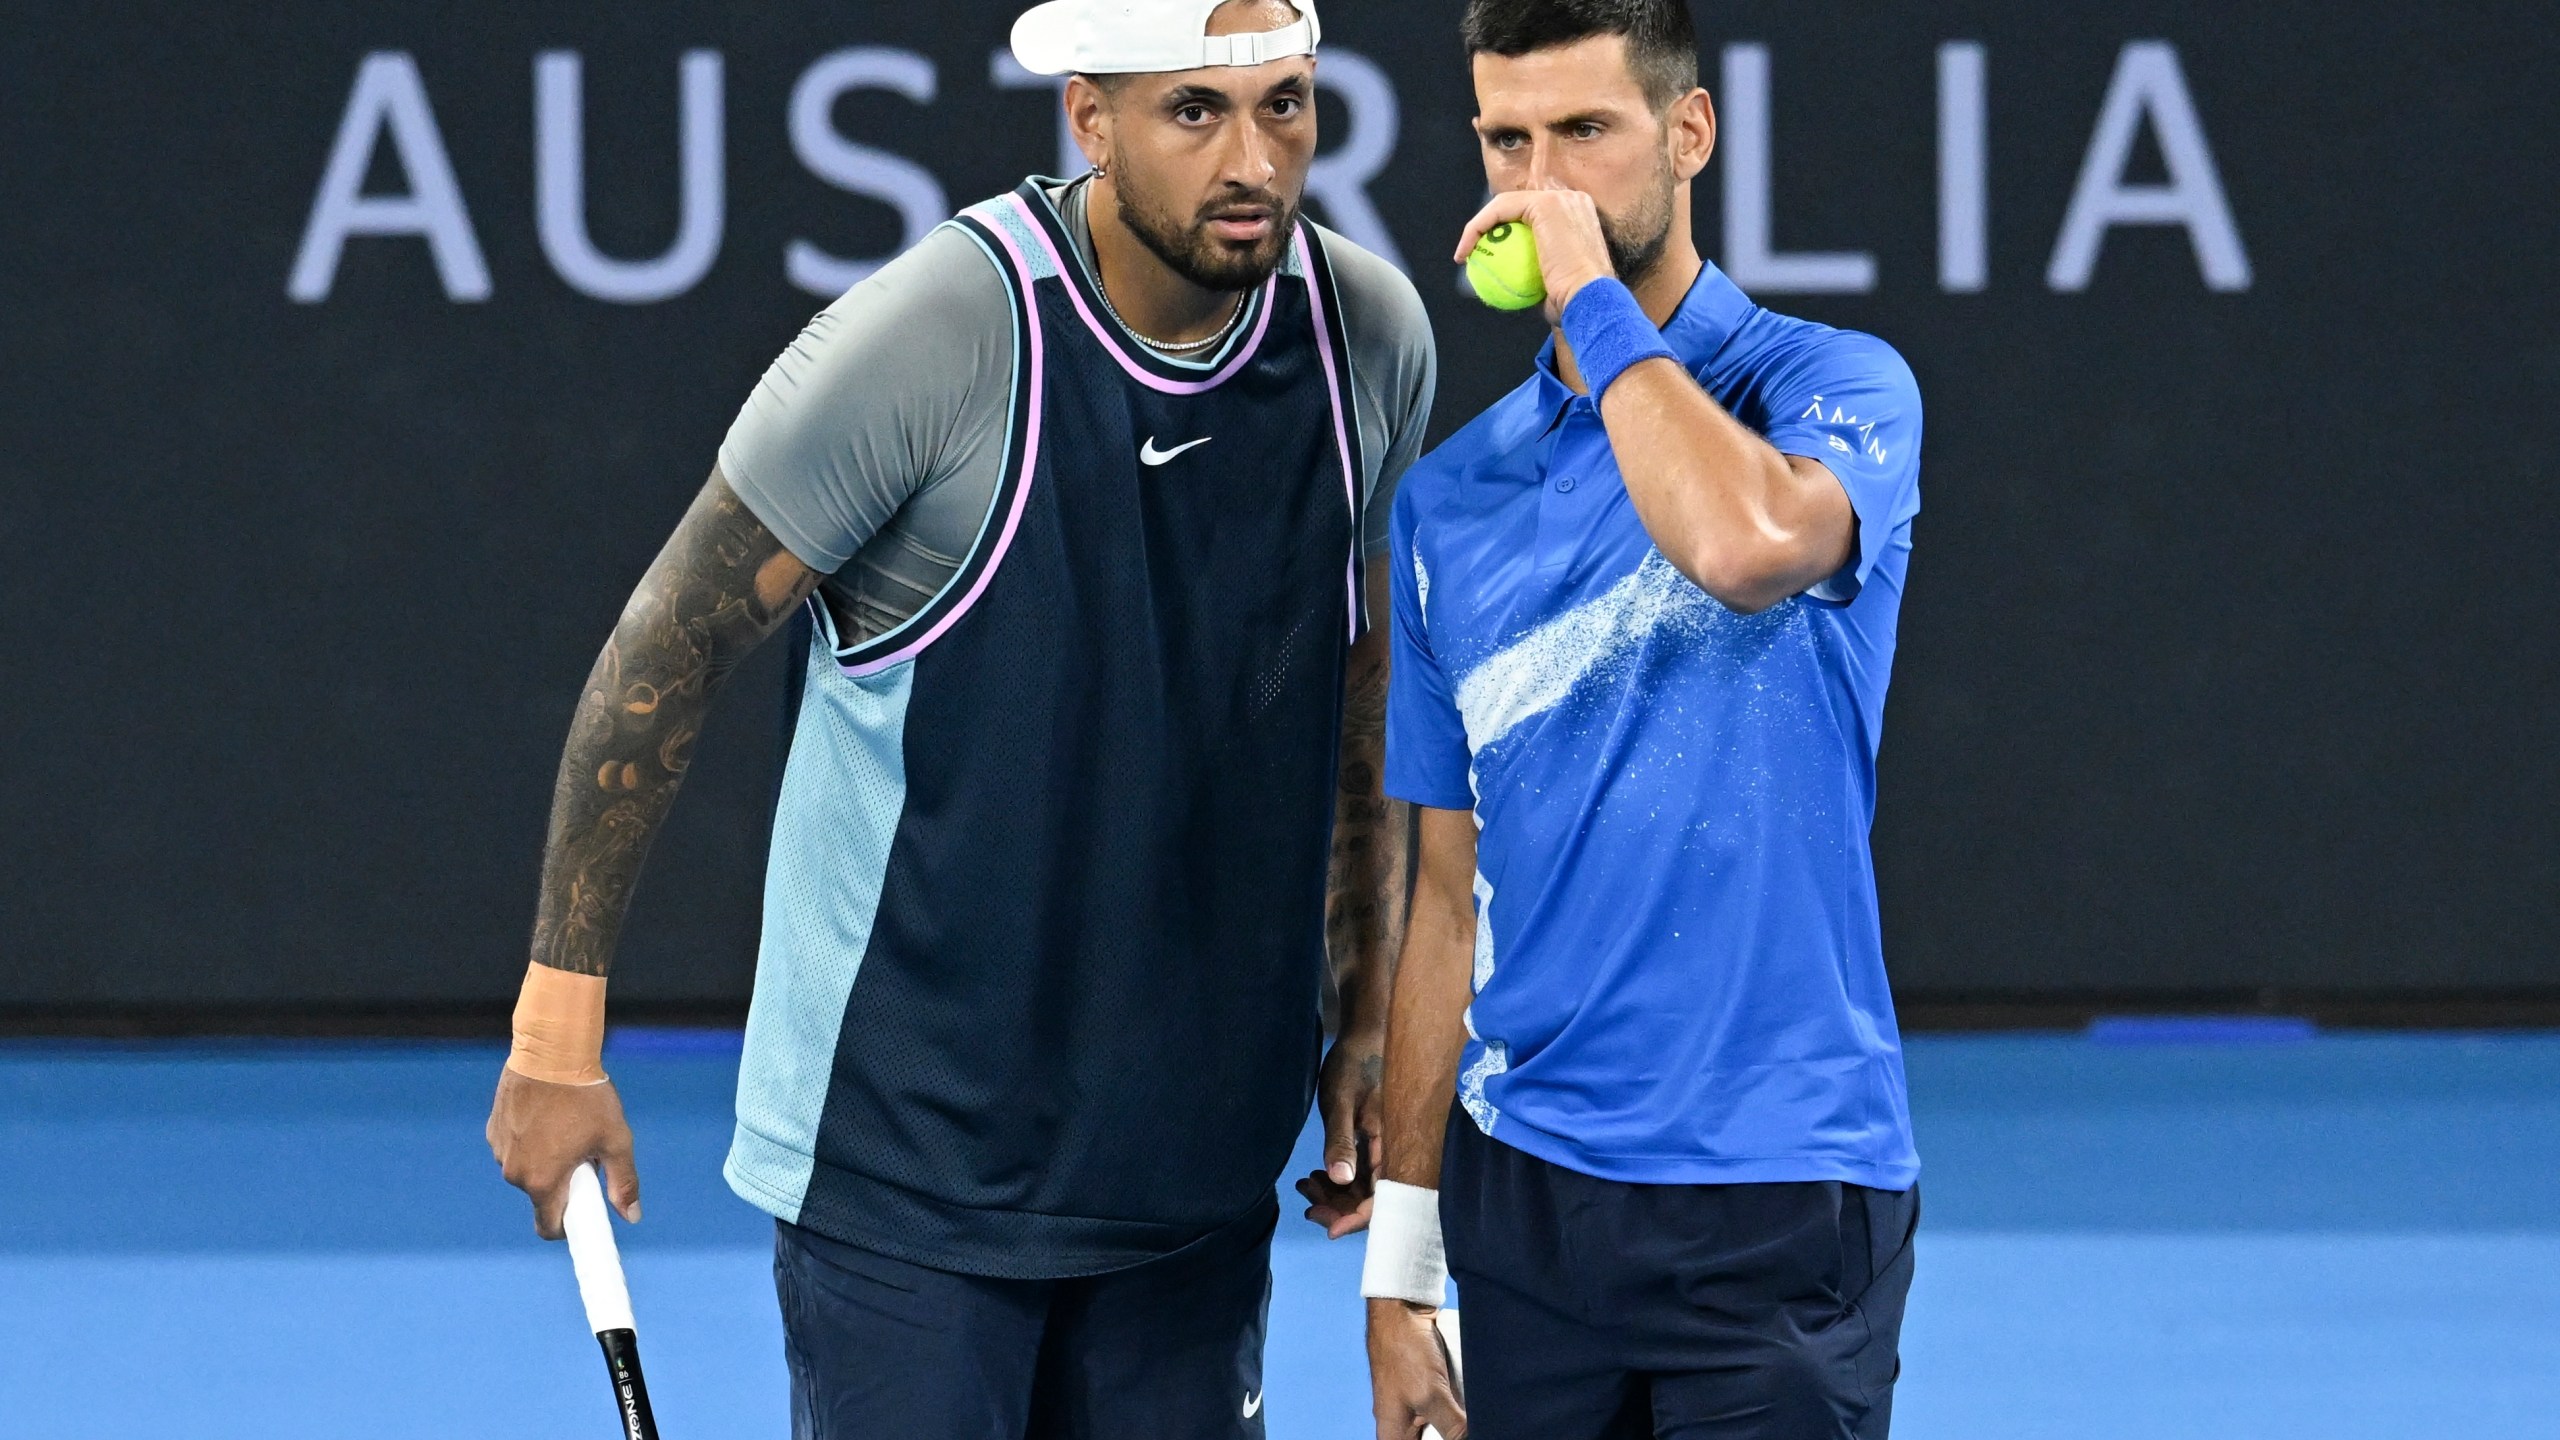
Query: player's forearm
x: 1365, y: 904
x: 721, y: 586
x: 1426, y: 1027
x: 618, y: 777
x: 1751, y: 527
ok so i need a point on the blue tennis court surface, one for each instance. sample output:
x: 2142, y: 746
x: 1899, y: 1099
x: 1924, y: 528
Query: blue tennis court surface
x: 2146, y: 1233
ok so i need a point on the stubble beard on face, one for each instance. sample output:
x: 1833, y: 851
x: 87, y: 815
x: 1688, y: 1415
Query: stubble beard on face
x: 1638, y: 241
x: 1188, y: 248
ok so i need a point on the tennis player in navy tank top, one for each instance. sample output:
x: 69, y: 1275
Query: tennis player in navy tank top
x: 1644, y: 1096
x: 1081, y: 496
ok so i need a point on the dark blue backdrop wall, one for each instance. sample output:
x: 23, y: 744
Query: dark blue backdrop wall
x: 343, y: 405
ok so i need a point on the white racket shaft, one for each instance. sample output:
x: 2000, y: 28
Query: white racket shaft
x: 1447, y: 1321
x: 592, y: 1251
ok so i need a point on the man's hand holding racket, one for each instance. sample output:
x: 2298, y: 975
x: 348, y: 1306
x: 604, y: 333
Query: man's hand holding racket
x: 555, y: 1109
x: 1414, y: 1382
x: 557, y: 1123
x: 541, y: 1132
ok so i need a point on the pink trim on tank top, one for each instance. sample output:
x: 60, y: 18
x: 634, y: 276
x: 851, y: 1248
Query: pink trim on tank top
x: 1111, y: 341
x: 1029, y: 300
x: 1341, y: 435
x: 1028, y: 297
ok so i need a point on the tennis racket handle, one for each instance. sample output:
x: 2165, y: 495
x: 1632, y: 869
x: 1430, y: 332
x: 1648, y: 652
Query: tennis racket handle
x: 591, y: 1250
x: 630, y: 1392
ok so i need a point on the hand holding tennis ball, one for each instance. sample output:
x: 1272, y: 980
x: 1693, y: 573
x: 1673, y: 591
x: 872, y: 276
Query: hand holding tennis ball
x: 1504, y: 268
x: 1529, y: 247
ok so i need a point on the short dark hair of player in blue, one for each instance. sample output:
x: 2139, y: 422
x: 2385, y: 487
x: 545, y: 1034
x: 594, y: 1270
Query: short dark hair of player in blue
x: 1662, y: 42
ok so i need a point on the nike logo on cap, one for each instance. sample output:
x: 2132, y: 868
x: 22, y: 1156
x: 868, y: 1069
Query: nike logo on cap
x: 1253, y: 1405
x: 1150, y: 455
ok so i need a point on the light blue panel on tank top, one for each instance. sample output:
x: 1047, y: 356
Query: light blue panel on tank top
x: 842, y: 796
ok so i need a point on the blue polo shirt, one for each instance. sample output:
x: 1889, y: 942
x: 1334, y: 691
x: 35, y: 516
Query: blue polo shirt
x: 1679, y: 975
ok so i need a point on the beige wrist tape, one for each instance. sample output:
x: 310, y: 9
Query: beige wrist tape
x: 1405, y: 1261
x: 559, y: 1028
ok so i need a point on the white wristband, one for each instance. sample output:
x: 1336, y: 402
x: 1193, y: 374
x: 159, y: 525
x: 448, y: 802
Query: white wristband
x: 1405, y: 1261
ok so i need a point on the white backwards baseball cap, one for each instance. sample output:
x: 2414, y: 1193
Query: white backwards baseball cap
x: 1148, y: 37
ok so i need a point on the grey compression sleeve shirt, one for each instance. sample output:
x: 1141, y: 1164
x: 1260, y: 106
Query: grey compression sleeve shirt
x: 874, y: 446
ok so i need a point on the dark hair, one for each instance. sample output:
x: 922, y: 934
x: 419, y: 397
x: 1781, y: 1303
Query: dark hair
x: 1662, y: 42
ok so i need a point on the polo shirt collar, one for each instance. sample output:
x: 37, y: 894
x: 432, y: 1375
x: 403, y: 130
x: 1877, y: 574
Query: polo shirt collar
x: 1708, y: 316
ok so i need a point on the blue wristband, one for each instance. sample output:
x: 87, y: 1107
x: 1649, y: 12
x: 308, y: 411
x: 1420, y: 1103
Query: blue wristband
x: 1610, y: 333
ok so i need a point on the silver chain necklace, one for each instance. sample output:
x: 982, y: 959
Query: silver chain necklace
x: 1143, y: 338
x: 1171, y: 349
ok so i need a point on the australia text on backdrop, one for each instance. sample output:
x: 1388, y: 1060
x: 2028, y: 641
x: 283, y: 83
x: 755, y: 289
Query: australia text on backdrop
x: 389, y: 105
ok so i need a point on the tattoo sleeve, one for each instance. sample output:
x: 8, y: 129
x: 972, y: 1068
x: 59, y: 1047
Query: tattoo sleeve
x: 1372, y: 850
x: 722, y: 585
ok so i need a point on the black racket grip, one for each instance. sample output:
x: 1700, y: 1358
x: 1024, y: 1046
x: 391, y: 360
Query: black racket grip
x: 630, y: 1391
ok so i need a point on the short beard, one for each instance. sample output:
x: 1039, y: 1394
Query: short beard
x: 1638, y: 242
x: 1190, y: 251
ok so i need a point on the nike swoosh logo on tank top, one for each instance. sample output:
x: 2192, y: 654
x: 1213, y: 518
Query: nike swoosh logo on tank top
x: 1150, y: 455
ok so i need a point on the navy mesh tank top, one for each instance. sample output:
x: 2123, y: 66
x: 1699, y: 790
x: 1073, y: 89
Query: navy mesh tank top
x: 1043, y: 939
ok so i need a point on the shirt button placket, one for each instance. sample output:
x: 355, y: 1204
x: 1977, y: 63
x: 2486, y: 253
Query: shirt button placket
x: 1561, y: 518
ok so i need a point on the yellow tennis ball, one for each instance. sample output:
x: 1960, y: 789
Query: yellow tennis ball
x: 1503, y: 268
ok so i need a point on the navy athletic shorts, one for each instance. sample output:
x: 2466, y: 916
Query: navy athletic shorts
x: 1169, y: 1350
x: 1597, y: 1310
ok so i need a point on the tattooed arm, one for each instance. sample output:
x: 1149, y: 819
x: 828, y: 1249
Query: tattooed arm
x: 721, y: 586
x: 1364, y: 925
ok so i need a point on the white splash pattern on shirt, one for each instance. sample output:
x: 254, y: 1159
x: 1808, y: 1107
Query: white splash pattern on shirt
x: 1535, y: 673
x: 1497, y: 1056
x: 1495, y: 1060
x: 1421, y: 587
x: 1540, y: 671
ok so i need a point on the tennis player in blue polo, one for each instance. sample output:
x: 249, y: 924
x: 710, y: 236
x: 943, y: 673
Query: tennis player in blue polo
x: 1644, y: 617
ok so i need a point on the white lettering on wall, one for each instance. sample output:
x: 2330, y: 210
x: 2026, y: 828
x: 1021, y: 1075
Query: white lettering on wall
x: 2149, y: 86
x: 1340, y: 177
x: 425, y: 201
x: 1749, y: 256
x: 1964, y: 169
x: 389, y: 96
x: 1006, y: 73
x: 560, y: 184
x: 906, y: 186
